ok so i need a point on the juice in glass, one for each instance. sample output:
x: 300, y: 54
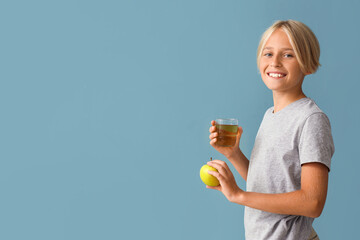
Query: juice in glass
x: 227, y: 130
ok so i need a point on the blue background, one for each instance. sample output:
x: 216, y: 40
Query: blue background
x: 105, y: 108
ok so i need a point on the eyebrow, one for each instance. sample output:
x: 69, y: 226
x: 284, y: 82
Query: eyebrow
x: 280, y: 48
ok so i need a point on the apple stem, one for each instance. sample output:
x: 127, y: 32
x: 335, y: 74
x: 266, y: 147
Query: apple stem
x: 210, y: 158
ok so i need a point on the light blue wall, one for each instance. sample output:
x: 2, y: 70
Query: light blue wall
x: 105, y: 108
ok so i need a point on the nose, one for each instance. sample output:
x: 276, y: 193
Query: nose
x: 276, y: 62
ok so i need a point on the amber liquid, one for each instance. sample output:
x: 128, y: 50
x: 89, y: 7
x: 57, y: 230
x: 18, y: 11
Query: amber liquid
x: 227, y: 135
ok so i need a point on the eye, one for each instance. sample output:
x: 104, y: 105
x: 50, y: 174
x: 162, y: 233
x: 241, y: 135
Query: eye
x: 288, y: 55
x: 267, y: 54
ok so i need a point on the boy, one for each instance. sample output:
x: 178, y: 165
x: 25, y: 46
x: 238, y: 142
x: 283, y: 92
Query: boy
x: 287, y: 175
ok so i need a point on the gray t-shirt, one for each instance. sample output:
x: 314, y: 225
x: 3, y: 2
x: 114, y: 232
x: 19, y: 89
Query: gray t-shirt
x: 299, y: 133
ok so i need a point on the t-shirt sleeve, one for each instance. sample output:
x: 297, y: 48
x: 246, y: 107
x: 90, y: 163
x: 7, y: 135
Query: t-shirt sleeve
x: 316, y: 142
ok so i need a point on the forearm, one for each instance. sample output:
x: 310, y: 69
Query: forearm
x: 291, y: 203
x: 240, y: 162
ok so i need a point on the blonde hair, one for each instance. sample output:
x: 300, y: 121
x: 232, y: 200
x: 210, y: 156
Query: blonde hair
x: 302, y: 39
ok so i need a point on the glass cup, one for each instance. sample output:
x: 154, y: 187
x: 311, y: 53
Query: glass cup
x: 227, y: 130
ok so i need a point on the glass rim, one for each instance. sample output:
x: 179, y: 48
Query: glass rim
x: 230, y: 121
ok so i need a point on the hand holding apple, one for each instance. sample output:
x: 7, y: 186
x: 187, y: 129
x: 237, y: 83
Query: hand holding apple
x: 226, y: 179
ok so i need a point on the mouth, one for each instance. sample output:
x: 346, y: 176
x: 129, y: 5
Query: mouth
x: 276, y: 75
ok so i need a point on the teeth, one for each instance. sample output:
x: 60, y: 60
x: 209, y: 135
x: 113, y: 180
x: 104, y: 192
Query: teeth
x: 276, y: 75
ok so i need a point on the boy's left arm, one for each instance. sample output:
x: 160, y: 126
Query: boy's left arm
x: 308, y: 201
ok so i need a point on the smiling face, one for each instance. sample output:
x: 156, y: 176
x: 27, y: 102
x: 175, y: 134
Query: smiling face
x: 278, y: 65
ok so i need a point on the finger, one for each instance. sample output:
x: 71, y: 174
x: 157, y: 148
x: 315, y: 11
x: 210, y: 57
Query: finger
x: 217, y: 175
x: 240, y: 131
x: 221, y: 164
x: 224, y: 165
x: 212, y: 129
x: 213, y: 142
x: 216, y: 161
x: 218, y: 166
x: 213, y: 135
x: 213, y: 122
x: 238, y: 135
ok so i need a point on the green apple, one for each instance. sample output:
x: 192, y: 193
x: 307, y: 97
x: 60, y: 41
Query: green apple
x: 208, y: 179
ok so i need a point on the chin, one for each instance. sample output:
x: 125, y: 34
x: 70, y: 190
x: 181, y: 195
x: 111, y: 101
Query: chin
x: 273, y: 86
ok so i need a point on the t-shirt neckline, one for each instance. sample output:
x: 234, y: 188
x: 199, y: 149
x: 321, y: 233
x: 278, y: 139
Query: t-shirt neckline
x: 289, y: 106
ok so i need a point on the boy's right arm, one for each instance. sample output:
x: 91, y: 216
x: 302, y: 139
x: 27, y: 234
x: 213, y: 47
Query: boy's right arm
x: 233, y: 154
x: 240, y: 162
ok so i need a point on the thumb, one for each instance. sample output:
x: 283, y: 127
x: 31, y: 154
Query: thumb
x: 215, y: 188
x: 238, y: 136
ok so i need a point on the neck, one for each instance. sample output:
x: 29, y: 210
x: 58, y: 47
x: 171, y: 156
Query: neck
x: 282, y: 99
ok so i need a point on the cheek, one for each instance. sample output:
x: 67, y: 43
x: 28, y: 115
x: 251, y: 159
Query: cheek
x: 296, y: 73
x: 262, y: 68
x: 263, y: 64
